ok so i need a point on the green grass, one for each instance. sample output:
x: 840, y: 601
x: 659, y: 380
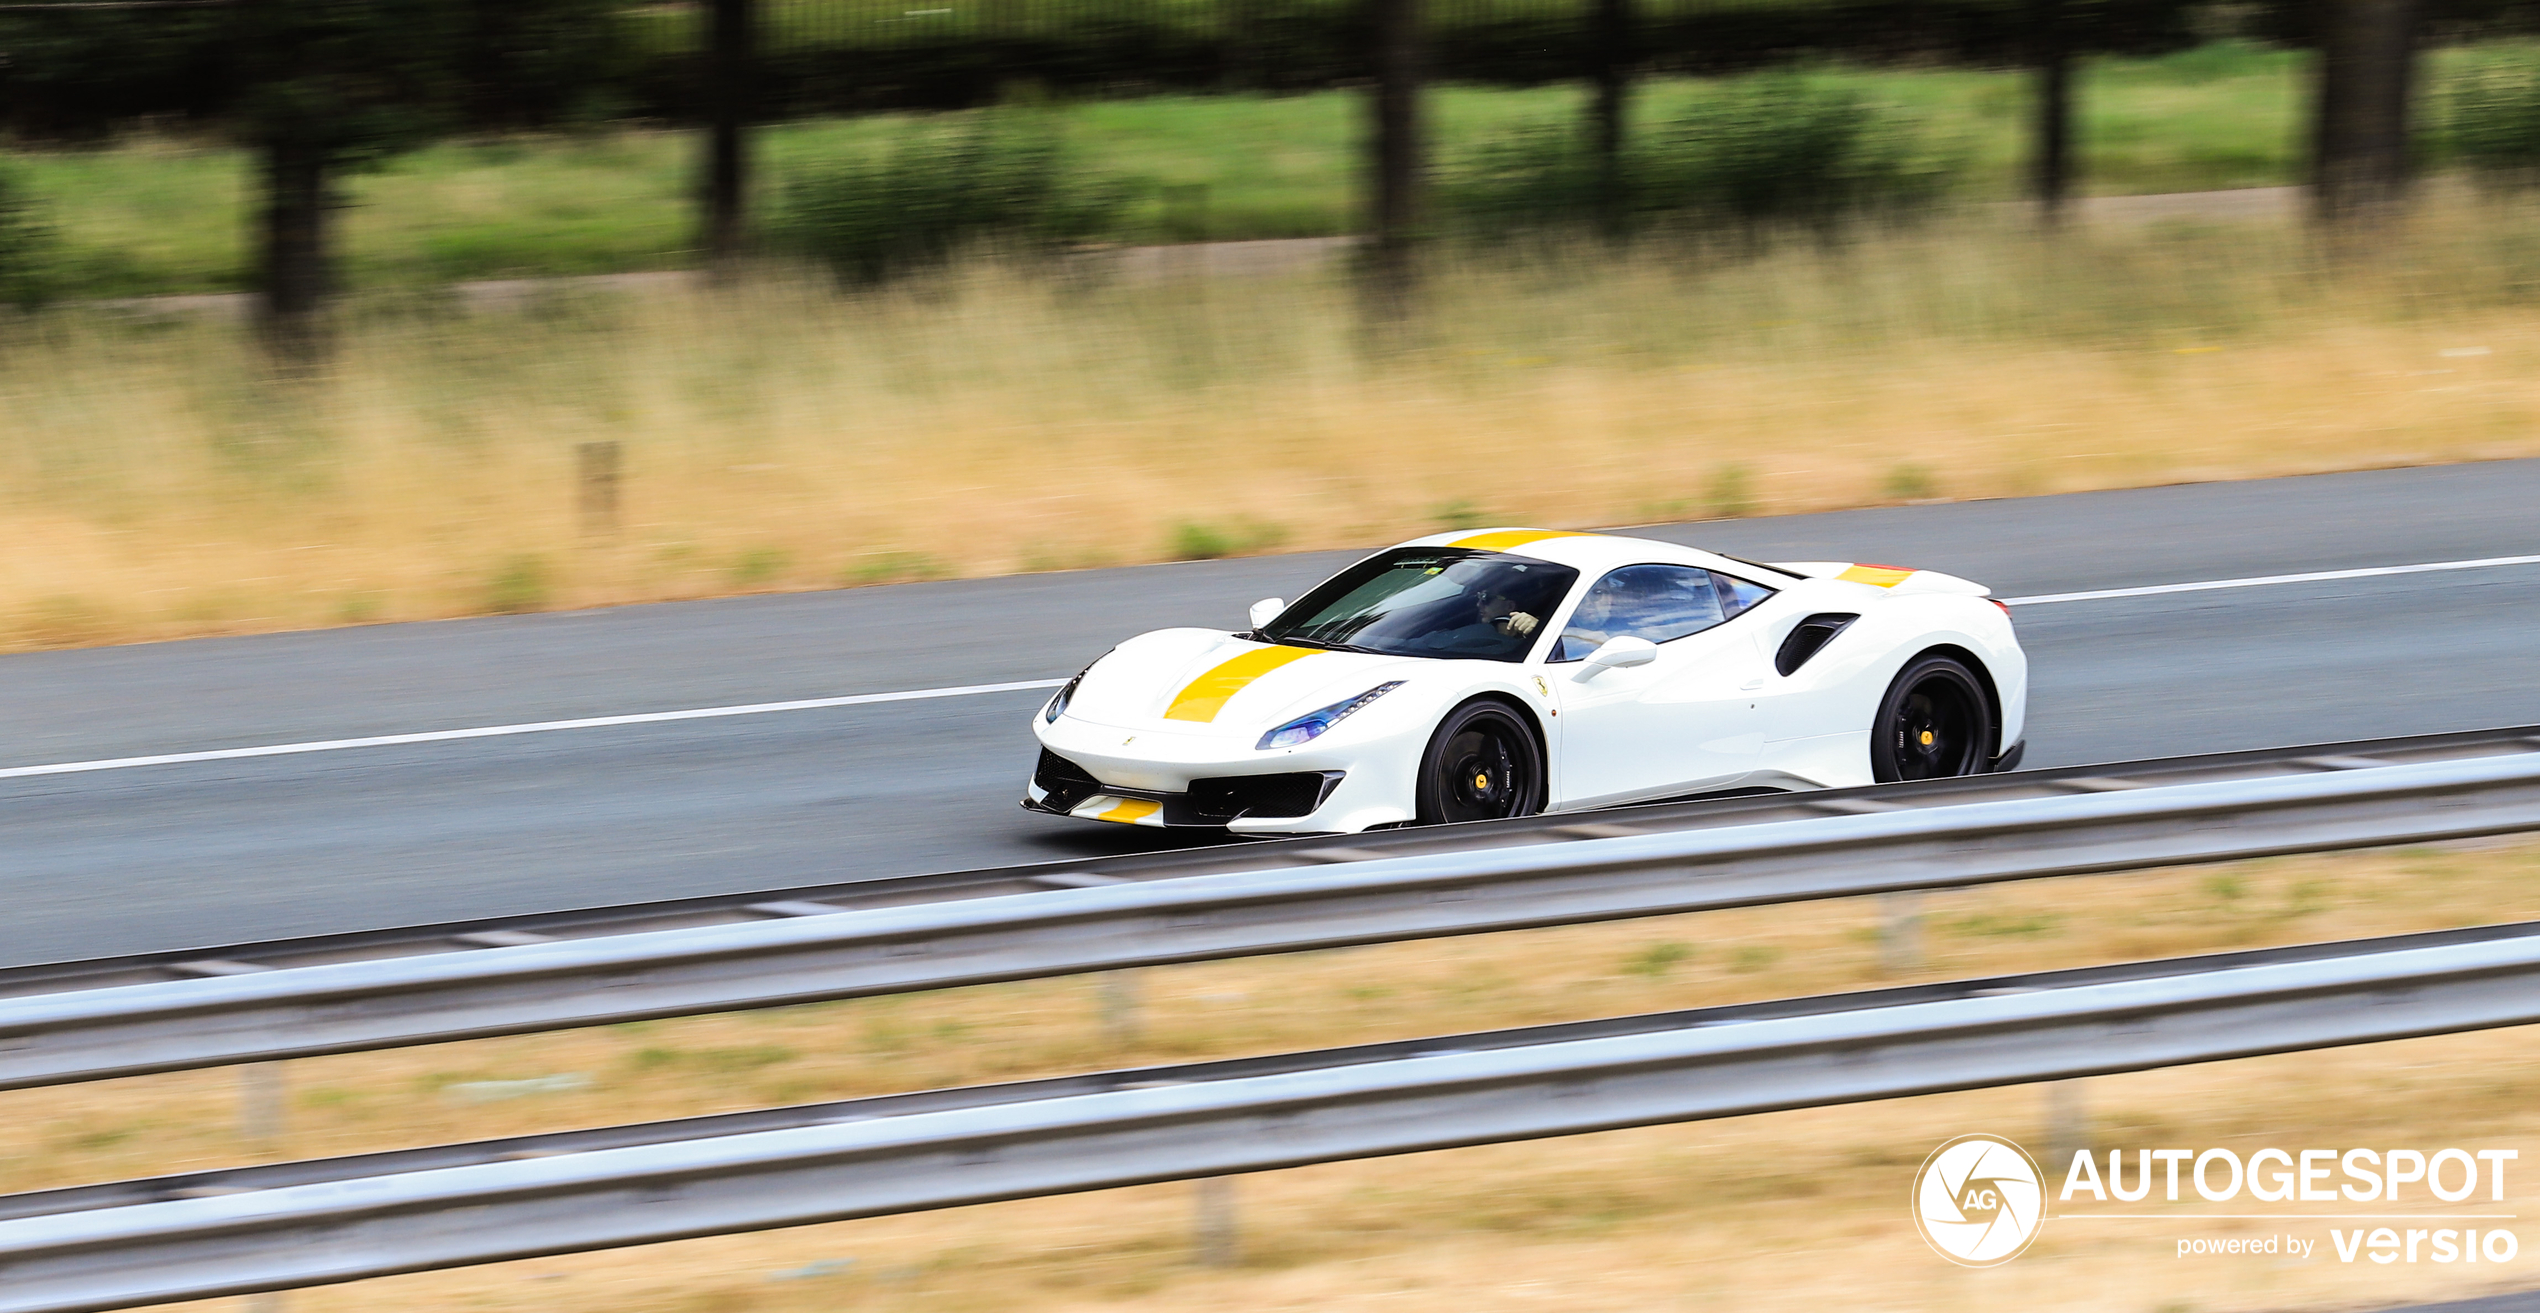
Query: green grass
x: 167, y: 215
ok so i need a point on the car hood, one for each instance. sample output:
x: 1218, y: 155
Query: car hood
x: 1207, y: 681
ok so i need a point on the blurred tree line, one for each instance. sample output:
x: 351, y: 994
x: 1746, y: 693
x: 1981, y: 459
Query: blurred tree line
x: 76, y: 68
x: 319, y: 87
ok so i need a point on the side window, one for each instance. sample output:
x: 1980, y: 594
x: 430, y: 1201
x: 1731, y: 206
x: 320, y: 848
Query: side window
x: 1656, y: 602
x: 1737, y: 596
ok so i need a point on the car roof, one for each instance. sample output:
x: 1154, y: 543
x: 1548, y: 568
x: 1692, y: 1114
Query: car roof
x: 1591, y: 554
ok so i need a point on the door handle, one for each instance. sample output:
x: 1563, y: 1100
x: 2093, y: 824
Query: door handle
x: 1750, y: 685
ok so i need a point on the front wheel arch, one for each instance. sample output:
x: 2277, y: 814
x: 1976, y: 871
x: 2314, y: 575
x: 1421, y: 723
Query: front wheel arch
x: 1514, y: 710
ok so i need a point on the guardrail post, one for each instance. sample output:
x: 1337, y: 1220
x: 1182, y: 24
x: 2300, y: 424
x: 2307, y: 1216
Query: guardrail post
x: 596, y: 469
x: 2067, y: 1125
x: 1121, y: 995
x: 1900, y: 933
x: 261, y: 1103
x: 1213, y: 1200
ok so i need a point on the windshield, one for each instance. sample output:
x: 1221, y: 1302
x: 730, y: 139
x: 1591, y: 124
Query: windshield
x: 1429, y: 602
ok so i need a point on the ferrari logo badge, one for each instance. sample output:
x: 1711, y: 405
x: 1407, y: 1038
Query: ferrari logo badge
x: 1541, y: 687
x: 1129, y: 740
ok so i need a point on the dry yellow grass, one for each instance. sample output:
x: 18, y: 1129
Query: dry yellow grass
x: 1798, y: 1211
x: 154, y: 483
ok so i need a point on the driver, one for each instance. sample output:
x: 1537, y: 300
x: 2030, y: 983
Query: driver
x: 1495, y: 620
x: 1500, y: 612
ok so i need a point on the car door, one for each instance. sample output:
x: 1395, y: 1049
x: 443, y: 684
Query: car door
x: 1682, y: 723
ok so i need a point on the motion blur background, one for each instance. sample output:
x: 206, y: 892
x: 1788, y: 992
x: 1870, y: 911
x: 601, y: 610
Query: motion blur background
x: 335, y: 312
x: 344, y: 312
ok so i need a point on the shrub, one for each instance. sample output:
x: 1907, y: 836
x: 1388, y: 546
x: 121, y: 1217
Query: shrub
x: 1002, y: 178
x: 518, y: 585
x: 1200, y: 542
x: 1656, y: 960
x: 892, y: 568
x: 759, y: 565
x: 1910, y: 482
x: 2492, y: 123
x: 1196, y: 541
x: 1732, y: 492
x: 1758, y: 151
x: 27, y: 248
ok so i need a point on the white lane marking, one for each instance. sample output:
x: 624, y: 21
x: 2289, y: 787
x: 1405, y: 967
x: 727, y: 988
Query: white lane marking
x: 536, y: 727
x: 2261, y: 581
x: 972, y: 690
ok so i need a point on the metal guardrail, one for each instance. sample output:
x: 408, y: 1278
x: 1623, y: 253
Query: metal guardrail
x: 300, y: 1224
x: 262, y: 1016
x: 1198, y: 857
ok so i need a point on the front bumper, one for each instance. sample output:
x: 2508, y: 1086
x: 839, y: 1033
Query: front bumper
x: 1339, y: 784
x: 1060, y: 787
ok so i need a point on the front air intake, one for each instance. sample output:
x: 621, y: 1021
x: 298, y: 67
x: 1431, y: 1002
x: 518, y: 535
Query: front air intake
x: 1066, y: 783
x: 1284, y: 796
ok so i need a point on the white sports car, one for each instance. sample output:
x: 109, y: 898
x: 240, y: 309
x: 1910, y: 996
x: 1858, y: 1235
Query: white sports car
x: 1470, y: 676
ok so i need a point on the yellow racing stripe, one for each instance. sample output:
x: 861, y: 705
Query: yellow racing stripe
x: 1883, y: 576
x: 1206, y: 695
x: 1130, y: 811
x: 1507, y: 539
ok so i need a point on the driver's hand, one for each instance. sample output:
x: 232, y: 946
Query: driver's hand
x: 1518, y: 623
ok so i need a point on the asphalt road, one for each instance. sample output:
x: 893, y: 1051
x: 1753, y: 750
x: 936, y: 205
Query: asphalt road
x: 169, y: 856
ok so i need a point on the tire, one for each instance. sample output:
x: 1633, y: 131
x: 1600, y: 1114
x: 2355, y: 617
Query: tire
x: 1935, y: 722
x: 1483, y: 764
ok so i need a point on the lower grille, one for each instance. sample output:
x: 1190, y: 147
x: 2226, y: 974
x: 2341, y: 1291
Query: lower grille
x: 1258, y: 797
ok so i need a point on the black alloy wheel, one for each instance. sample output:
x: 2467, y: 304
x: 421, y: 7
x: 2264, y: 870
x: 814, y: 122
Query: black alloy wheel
x: 1483, y: 764
x: 1935, y: 722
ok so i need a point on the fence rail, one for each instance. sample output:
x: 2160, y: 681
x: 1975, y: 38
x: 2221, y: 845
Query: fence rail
x: 255, y: 1015
x: 303, y: 1224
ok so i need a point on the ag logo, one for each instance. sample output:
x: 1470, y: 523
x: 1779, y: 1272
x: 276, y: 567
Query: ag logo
x: 1977, y: 1200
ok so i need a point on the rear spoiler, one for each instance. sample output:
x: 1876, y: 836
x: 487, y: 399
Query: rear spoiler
x: 1894, y: 578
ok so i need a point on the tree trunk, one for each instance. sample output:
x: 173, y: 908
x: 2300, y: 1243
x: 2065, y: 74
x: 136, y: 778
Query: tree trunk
x: 1613, y: 92
x: 2051, y: 164
x: 298, y: 273
x: 2367, y: 65
x: 1395, y: 166
x: 731, y: 64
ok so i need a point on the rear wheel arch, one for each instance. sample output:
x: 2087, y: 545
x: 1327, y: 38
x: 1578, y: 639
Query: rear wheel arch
x: 1984, y: 680
x: 1936, y: 718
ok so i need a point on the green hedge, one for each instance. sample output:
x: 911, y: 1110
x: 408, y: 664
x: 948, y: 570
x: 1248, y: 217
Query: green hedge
x: 1759, y: 152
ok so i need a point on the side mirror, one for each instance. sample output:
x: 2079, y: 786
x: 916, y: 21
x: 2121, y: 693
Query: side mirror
x: 1624, y: 651
x: 1266, y: 610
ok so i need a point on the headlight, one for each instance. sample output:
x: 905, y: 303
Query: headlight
x: 1306, y: 728
x: 1058, y: 705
